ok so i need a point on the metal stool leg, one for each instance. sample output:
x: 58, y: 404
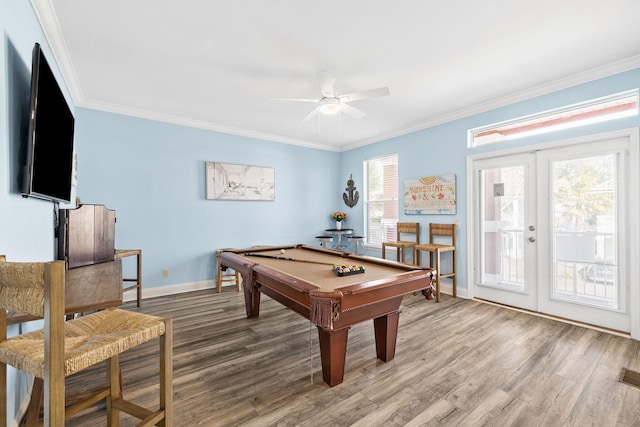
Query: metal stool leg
x: 356, y: 240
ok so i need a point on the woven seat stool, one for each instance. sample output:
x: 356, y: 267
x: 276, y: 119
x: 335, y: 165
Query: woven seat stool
x: 63, y: 348
x: 447, y: 231
x: 400, y: 244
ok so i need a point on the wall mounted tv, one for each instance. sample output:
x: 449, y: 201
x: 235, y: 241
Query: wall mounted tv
x: 48, y: 170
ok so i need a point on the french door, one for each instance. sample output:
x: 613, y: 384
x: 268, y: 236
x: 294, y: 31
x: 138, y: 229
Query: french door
x: 507, y: 230
x: 552, y: 231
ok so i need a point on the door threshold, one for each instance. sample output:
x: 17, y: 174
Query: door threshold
x: 558, y: 318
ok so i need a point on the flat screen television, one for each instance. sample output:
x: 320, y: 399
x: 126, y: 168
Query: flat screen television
x: 48, y: 171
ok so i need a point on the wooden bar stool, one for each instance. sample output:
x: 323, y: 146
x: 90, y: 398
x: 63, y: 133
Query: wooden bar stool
x: 401, y: 244
x: 137, y: 281
x: 435, y: 249
x: 63, y: 348
x: 226, y: 274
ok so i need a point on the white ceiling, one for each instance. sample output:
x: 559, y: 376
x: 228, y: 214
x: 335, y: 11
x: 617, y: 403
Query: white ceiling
x: 219, y: 65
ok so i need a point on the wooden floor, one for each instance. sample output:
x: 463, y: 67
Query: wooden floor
x: 458, y: 363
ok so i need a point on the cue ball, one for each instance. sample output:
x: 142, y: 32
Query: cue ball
x: 281, y: 251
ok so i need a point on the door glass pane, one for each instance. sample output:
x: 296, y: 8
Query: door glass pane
x: 585, y: 258
x: 502, y: 226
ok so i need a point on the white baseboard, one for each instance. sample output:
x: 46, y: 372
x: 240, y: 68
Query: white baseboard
x: 170, y: 290
x: 448, y: 289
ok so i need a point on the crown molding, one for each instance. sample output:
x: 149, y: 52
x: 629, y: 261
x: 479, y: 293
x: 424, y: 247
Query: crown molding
x: 49, y: 23
x: 200, y: 124
x: 608, y: 70
x: 48, y: 20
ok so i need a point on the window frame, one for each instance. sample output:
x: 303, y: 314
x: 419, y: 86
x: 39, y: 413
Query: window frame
x: 611, y: 107
x: 390, y: 182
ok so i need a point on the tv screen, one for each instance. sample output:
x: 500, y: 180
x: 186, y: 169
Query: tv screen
x: 49, y: 168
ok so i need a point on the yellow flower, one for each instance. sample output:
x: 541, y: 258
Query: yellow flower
x: 339, y: 216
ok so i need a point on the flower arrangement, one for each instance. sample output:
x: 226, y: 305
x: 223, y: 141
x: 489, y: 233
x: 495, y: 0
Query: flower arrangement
x: 339, y: 216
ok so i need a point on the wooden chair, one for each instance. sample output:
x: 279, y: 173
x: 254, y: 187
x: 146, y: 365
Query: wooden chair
x: 226, y: 274
x: 401, y: 245
x: 63, y: 348
x: 137, y: 281
x: 448, y: 231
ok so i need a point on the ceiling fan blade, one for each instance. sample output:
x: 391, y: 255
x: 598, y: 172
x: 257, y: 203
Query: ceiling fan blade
x: 297, y: 99
x: 312, y: 114
x: 327, y: 81
x: 351, y: 111
x: 371, y: 93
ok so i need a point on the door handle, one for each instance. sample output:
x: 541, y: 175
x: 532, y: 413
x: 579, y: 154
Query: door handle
x: 532, y: 228
x: 532, y: 239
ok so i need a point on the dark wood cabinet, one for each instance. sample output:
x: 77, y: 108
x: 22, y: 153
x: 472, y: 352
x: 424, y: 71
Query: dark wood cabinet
x: 86, y: 235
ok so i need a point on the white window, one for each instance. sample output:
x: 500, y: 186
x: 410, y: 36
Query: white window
x: 612, y: 107
x: 381, y: 198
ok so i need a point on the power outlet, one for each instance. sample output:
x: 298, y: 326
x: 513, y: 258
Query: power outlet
x: 165, y: 272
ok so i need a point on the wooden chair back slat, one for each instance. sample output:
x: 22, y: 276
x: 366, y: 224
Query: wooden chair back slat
x: 408, y: 228
x: 22, y: 287
x: 442, y: 230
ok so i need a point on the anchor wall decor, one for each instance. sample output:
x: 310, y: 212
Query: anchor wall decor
x: 351, y: 199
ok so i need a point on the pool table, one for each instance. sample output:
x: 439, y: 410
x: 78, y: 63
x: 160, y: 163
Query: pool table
x: 302, y: 278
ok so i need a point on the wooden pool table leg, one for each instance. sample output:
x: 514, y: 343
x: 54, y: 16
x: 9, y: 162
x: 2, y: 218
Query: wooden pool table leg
x: 251, y: 299
x: 386, y: 328
x: 333, y: 351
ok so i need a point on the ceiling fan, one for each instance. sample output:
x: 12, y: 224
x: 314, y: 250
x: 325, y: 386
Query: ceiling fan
x: 331, y: 103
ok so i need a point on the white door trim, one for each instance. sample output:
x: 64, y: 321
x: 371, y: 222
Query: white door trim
x: 633, y: 249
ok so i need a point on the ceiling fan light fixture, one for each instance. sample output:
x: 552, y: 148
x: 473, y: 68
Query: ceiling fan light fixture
x: 329, y: 105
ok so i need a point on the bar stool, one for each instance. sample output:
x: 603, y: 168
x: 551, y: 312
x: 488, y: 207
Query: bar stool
x: 226, y: 274
x: 324, y: 240
x: 123, y: 253
x: 356, y: 240
x: 448, y: 230
x: 401, y: 245
x: 63, y: 348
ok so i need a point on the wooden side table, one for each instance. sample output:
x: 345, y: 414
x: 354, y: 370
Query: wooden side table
x: 226, y: 276
x: 123, y: 253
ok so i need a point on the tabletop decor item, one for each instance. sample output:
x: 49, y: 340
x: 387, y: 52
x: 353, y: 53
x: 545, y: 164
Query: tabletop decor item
x: 342, y: 270
x: 339, y: 217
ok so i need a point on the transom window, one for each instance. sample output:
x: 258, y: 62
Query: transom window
x: 623, y: 104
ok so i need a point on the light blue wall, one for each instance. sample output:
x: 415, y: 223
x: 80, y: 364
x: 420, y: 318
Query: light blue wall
x: 26, y: 225
x: 153, y: 175
x: 443, y: 149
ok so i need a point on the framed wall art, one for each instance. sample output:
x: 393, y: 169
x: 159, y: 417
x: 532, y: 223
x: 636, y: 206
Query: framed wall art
x: 228, y: 181
x: 430, y: 195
